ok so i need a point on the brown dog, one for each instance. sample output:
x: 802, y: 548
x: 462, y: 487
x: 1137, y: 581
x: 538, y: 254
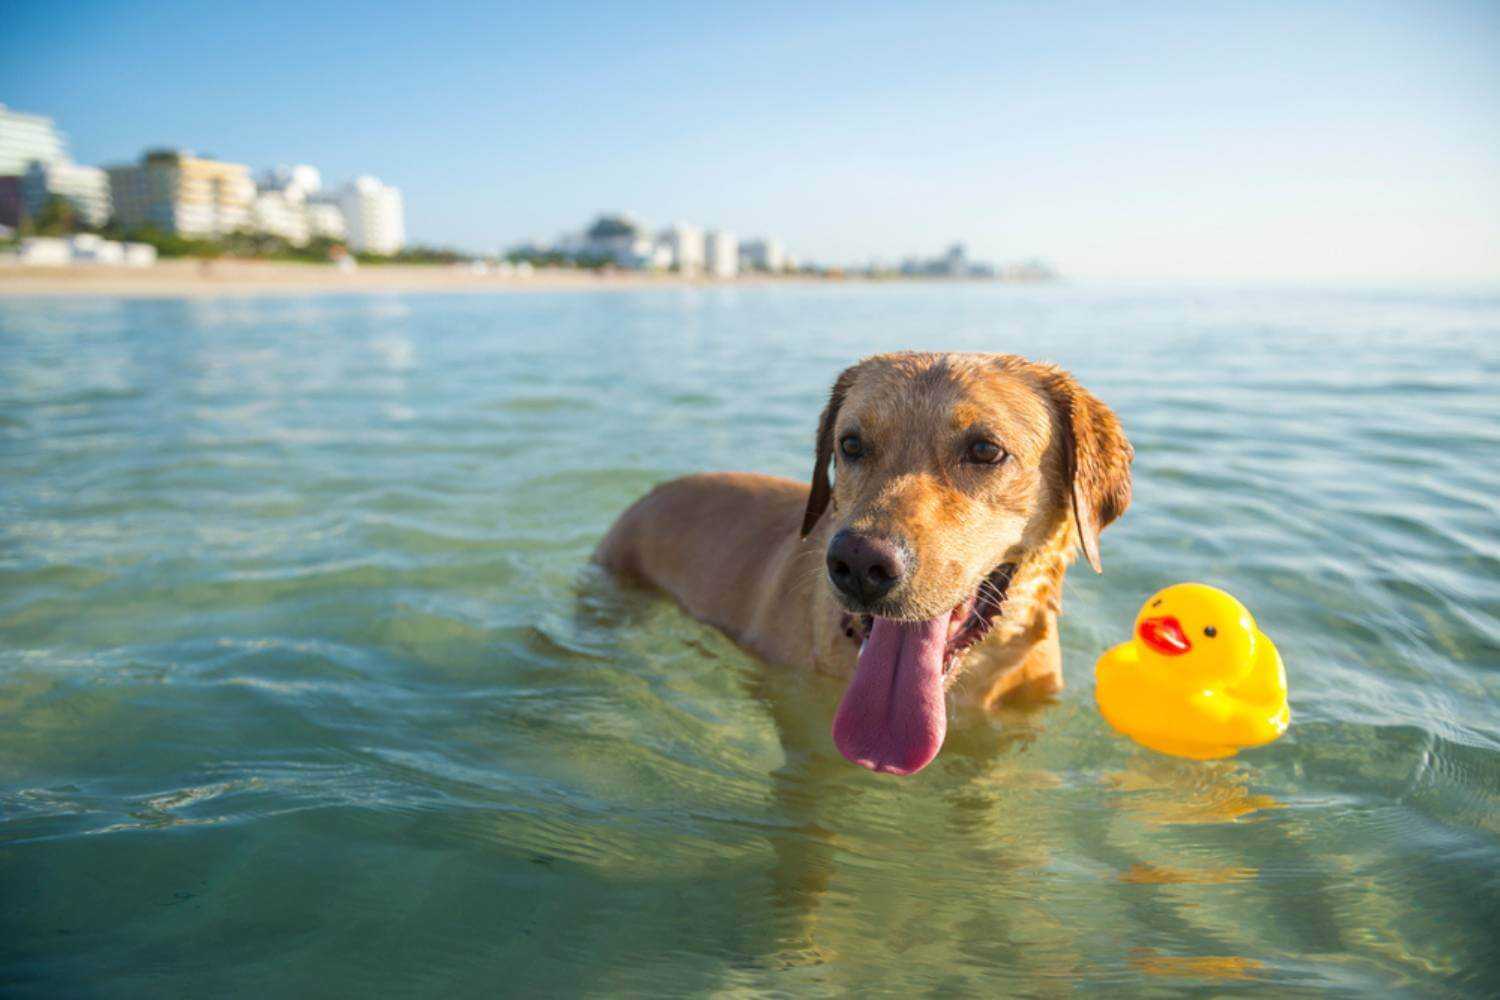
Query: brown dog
x: 965, y: 483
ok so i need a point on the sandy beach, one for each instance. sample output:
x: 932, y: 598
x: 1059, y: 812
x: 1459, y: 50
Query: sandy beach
x: 252, y: 277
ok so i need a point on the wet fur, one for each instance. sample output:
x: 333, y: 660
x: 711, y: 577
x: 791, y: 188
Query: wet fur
x: 746, y: 552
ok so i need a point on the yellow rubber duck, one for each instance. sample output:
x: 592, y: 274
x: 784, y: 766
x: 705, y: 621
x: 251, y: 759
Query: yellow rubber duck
x: 1198, y: 679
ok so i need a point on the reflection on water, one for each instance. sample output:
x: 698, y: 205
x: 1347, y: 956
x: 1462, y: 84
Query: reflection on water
x: 305, y: 681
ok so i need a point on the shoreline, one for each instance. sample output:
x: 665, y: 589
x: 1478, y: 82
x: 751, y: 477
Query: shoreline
x: 198, y: 278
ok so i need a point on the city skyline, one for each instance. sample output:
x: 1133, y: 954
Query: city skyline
x: 1175, y: 142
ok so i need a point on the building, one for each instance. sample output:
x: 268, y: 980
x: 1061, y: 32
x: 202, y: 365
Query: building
x: 84, y: 248
x: 953, y: 264
x: 177, y: 192
x: 298, y: 182
x: 722, y: 254
x: 374, y: 216
x: 325, y: 219
x: 292, y: 204
x: 621, y: 240
x: 279, y: 213
x: 11, y: 202
x: 24, y: 138
x: 86, y: 188
x: 763, y: 255
x: 684, y: 246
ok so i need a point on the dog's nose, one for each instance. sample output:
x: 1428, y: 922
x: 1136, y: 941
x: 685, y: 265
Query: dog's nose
x: 866, y: 567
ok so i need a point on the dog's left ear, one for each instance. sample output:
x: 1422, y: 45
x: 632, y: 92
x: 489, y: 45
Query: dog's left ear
x: 822, y: 491
x: 1097, y: 459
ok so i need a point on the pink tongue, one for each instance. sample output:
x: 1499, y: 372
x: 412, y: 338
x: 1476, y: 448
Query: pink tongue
x: 893, y: 717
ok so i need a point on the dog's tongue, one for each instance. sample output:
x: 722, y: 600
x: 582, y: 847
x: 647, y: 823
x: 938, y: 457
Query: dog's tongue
x: 893, y: 717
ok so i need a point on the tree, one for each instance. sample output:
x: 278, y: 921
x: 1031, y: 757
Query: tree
x: 58, y: 217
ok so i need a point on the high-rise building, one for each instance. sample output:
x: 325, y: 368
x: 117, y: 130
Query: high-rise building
x: 722, y: 254
x: 684, y: 243
x: 86, y: 188
x: 374, y: 216
x: 24, y: 138
x: 177, y: 192
x: 763, y: 255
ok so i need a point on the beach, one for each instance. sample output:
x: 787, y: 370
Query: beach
x: 193, y: 278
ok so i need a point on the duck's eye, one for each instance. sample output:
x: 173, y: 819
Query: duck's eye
x: 1156, y: 603
x: 1210, y: 631
x: 984, y: 452
x: 851, y: 446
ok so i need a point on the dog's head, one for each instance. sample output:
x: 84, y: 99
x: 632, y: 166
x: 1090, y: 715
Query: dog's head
x: 949, y: 469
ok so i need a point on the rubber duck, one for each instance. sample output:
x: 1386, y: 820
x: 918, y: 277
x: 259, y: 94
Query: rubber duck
x: 1197, y: 679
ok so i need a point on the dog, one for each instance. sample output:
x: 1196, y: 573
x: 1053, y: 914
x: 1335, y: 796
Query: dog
x: 964, y: 486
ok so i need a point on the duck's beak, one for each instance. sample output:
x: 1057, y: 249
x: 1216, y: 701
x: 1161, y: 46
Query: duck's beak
x: 1164, y: 635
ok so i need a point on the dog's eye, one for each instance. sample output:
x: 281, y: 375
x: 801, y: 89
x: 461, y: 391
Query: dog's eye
x: 851, y: 446
x: 985, y: 453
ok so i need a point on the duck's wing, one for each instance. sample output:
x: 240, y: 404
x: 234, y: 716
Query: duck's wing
x: 1265, y: 684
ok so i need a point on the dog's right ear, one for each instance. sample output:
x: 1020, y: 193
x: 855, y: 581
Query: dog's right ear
x: 822, y: 491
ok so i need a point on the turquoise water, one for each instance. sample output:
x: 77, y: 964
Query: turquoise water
x: 306, y: 687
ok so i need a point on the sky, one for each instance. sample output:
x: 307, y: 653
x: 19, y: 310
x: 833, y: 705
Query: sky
x: 1148, y: 140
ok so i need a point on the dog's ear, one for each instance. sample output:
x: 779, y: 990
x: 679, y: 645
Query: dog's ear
x: 1096, y: 457
x: 822, y: 491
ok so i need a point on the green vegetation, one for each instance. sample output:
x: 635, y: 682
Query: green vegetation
x: 417, y: 255
x: 555, y: 258
x: 58, y: 217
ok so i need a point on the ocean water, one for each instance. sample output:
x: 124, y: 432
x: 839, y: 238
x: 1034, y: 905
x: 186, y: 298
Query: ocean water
x: 306, y: 687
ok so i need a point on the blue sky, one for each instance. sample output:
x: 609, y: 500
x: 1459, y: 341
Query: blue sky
x: 1349, y: 141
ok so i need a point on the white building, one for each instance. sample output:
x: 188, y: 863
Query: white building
x: 278, y: 213
x: 87, y: 248
x: 289, y: 203
x: 763, y: 255
x: 298, y: 182
x: 45, y: 251
x: 684, y: 244
x: 325, y: 220
x: 374, y: 215
x: 722, y: 254
x: 84, y: 248
x: 24, y: 138
x: 87, y: 188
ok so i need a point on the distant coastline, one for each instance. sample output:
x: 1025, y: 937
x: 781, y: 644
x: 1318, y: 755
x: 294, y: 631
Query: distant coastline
x: 229, y: 277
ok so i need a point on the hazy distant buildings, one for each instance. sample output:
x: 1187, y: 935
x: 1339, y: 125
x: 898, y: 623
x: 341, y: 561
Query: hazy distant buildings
x: 325, y: 219
x: 278, y: 213
x: 85, y: 188
x: 298, y: 182
x: 763, y: 255
x: 685, y: 247
x: 284, y: 206
x: 955, y: 263
x: 374, y: 216
x: 177, y: 192
x: 722, y: 254
x: 621, y: 240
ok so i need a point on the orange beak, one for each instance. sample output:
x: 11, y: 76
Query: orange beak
x: 1164, y: 635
